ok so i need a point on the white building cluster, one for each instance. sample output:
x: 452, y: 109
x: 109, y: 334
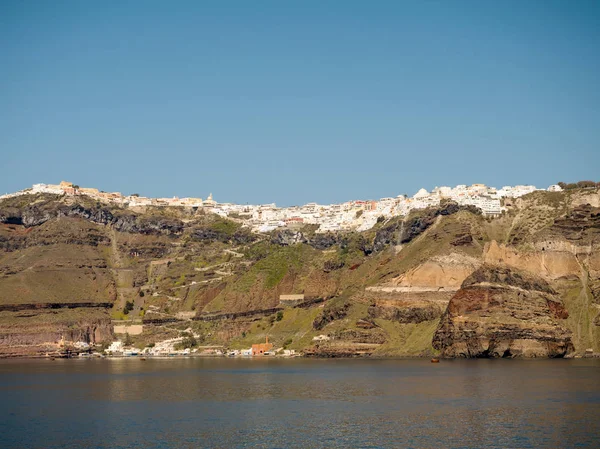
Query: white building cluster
x: 356, y: 215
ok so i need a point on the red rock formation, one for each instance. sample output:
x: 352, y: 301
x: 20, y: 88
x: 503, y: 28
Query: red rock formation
x: 501, y: 312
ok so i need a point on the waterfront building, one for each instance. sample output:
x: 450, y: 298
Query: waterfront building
x: 259, y: 349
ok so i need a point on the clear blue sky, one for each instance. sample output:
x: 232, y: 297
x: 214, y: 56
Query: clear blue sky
x: 262, y: 101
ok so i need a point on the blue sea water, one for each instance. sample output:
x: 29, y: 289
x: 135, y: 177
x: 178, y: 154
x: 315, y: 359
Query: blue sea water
x: 299, y: 403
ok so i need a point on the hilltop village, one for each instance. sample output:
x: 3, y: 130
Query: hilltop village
x: 356, y: 215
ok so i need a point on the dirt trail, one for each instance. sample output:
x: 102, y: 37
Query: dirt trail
x: 116, y: 259
x: 123, y: 276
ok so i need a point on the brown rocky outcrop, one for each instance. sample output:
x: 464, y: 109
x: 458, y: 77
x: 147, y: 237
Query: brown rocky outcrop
x: 341, y: 350
x: 335, y: 310
x: 405, y: 313
x: 36, y: 215
x: 35, y: 332
x: 375, y: 336
x: 405, y: 230
x: 580, y: 225
x: 503, y: 312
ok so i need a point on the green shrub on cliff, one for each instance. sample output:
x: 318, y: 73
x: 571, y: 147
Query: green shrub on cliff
x: 128, y: 307
x: 224, y: 226
x: 273, y: 268
x: 187, y: 343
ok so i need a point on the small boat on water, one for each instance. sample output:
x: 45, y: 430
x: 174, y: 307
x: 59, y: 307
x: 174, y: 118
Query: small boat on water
x: 434, y: 360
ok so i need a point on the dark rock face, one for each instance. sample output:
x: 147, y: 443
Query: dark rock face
x: 332, y: 265
x: 401, y: 232
x: 462, y: 240
x: 147, y: 225
x: 501, y: 312
x: 28, y: 217
x: 36, y: 215
x: 508, y: 277
x: 356, y: 242
x: 335, y: 311
x: 417, y: 225
x: 581, y: 225
x: 100, y: 216
x: 323, y: 241
x: 207, y: 234
x: 32, y: 216
x: 287, y: 237
x: 11, y: 216
x: 243, y: 237
x: 406, y: 315
x: 376, y: 336
x: 387, y: 235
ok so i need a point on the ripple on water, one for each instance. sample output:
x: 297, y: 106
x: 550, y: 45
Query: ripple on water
x: 228, y: 403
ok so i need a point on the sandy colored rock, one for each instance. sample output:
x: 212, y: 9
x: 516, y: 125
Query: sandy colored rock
x: 548, y: 264
x: 436, y: 274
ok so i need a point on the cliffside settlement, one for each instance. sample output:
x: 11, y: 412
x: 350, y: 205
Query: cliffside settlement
x: 355, y: 215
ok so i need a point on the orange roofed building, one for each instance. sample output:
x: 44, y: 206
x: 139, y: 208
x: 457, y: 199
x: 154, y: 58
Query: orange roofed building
x: 261, y: 348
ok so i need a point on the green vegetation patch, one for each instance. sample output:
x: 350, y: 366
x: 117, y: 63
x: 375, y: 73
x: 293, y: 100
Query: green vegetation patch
x: 293, y: 331
x: 274, y: 266
x: 582, y: 311
x: 409, y: 340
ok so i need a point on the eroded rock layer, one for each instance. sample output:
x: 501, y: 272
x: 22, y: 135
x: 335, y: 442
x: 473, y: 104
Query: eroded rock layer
x: 440, y: 280
x: 502, y: 312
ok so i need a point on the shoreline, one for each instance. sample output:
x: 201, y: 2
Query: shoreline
x: 281, y: 357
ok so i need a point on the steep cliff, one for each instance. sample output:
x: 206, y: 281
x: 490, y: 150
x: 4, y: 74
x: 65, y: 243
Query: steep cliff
x: 502, y: 312
x: 441, y: 280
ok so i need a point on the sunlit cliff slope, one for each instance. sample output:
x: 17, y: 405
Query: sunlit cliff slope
x: 444, y: 281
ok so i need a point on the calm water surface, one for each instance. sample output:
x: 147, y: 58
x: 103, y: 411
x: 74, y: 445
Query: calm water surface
x: 234, y: 403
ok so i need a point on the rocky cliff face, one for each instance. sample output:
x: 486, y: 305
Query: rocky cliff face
x: 441, y: 281
x: 437, y: 274
x: 37, y: 332
x: 39, y: 213
x: 503, y: 312
x: 404, y: 230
